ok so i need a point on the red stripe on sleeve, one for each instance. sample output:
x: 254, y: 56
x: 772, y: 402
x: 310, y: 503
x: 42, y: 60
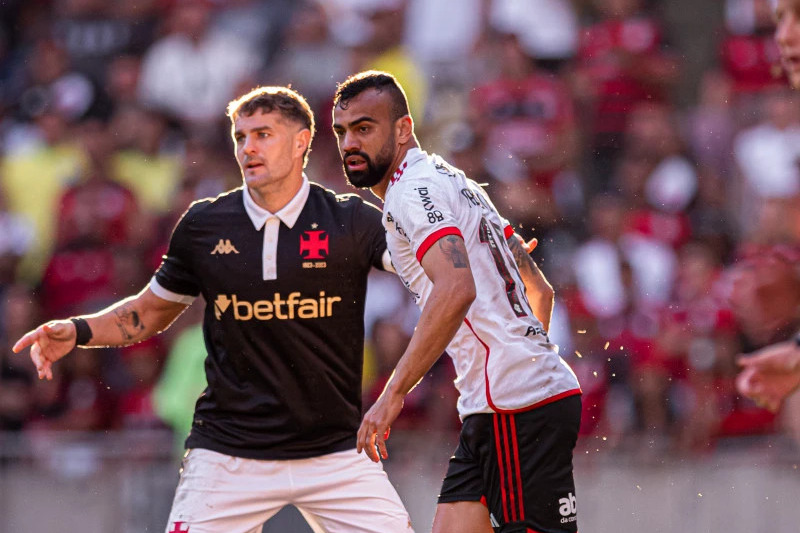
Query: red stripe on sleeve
x: 433, y: 237
x: 508, y: 231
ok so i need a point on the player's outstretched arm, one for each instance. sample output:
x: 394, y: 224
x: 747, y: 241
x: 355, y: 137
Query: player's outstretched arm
x: 540, y: 293
x: 771, y: 374
x: 126, y: 322
x: 447, y: 265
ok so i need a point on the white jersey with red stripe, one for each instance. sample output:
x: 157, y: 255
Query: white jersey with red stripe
x: 503, y: 358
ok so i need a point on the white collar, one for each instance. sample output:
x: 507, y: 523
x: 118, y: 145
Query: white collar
x: 288, y: 214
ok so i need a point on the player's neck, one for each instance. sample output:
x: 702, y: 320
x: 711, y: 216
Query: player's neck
x: 380, y: 189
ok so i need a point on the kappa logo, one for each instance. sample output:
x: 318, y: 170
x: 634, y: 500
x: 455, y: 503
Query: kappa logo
x: 224, y: 246
x: 313, y: 244
x: 567, y: 508
x: 178, y: 528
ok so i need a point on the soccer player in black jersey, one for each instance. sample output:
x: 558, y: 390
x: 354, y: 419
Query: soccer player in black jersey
x: 282, y: 264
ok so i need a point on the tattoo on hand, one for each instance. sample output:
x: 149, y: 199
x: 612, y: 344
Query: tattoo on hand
x: 454, y: 249
x: 128, y: 322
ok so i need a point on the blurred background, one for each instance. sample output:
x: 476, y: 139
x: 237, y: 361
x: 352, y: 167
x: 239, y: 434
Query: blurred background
x: 651, y: 146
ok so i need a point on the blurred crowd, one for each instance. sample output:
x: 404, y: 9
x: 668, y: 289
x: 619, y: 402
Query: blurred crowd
x: 669, y: 226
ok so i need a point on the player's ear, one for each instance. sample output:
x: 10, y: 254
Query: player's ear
x: 404, y: 129
x: 302, y: 139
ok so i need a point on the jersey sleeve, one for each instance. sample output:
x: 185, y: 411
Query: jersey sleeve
x: 176, y: 274
x: 425, y: 214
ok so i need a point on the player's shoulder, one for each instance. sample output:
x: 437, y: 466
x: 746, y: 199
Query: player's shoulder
x: 430, y: 173
x: 344, y: 202
x: 224, y: 202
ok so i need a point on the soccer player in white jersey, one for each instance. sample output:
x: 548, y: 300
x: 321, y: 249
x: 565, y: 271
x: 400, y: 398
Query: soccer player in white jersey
x: 483, y: 300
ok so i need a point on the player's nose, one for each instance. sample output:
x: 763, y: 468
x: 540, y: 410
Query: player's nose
x: 349, y: 143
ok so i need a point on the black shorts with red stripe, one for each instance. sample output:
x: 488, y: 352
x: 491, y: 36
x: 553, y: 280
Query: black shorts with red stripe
x: 520, y: 466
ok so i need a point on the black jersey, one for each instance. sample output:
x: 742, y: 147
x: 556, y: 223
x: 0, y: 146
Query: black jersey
x: 285, y: 355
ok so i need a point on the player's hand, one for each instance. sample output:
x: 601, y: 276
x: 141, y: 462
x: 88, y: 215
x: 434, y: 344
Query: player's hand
x: 529, y: 246
x: 49, y: 343
x: 770, y: 375
x: 376, y: 425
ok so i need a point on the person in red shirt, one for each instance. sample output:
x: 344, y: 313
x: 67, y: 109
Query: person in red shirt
x: 620, y: 62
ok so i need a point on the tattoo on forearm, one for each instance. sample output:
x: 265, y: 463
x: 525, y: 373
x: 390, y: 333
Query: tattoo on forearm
x: 524, y: 261
x: 454, y: 249
x: 128, y: 322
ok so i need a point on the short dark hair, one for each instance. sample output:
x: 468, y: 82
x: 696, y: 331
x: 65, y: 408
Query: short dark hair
x: 288, y: 102
x: 373, y: 79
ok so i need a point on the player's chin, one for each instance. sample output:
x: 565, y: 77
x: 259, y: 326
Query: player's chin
x: 254, y: 178
x: 359, y: 179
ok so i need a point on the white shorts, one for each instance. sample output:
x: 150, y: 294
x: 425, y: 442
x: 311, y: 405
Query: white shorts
x: 342, y: 492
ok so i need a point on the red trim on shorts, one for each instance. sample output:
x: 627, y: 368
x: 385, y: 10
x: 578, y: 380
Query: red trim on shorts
x: 508, y: 231
x: 433, y: 237
x: 499, y: 449
x: 509, y: 470
x: 519, y: 475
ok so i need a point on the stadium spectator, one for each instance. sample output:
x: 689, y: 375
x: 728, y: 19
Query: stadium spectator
x: 766, y: 155
x: 312, y: 59
x: 147, y: 158
x: 34, y: 180
x: 193, y: 70
x: 183, y: 378
x: 18, y: 313
x: 621, y: 62
x: 283, y: 266
x: 143, y: 363
x: 17, y: 234
x: 384, y: 48
x: 95, y: 218
x: 748, y: 53
x: 710, y: 124
x: 94, y: 32
x: 527, y: 121
x: 548, y: 30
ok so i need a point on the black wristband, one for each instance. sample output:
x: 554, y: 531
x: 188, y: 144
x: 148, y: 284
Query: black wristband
x: 83, y: 333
